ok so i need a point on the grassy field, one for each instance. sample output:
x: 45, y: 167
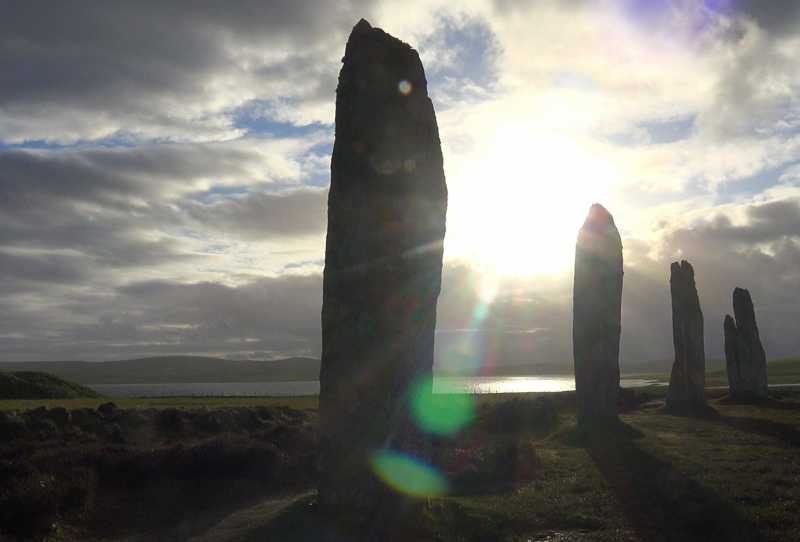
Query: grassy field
x: 779, y: 371
x: 27, y: 384
x: 300, y: 403
x: 242, y: 469
x: 731, y: 476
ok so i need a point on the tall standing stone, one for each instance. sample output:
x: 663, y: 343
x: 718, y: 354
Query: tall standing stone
x: 744, y: 354
x: 597, y: 313
x: 732, y: 357
x: 383, y: 264
x: 687, y: 382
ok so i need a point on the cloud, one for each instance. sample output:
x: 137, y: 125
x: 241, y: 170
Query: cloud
x: 460, y: 56
x: 278, y: 316
x: 759, y: 250
x: 76, y: 224
x: 187, y: 208
x: 257, y: 216
x: 776, y: 16
x: 152, y: 70
x: 49, y: 268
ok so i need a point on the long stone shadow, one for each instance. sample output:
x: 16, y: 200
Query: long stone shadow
x: 662, y: 503
x: 787, y: 434
x: 773, y: 403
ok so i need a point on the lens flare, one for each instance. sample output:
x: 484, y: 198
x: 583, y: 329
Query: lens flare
x: 404, y: 87
x: 440, y: 413
x: 408, y: 475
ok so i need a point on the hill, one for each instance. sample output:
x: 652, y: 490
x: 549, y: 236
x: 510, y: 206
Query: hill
x: 37, y: 385
x: 172, y: 369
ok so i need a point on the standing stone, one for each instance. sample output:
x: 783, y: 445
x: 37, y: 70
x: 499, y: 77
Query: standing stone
x: 597, y: 312
x: 383, y: 265
x: 744, y: 355
x: 732, y: 357
x: 688, y: 379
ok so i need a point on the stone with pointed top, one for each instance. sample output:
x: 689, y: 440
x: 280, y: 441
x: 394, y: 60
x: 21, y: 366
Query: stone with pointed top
x: 745, y: 358
x: 597, y: 313
x: 688, y: 379
x: 383, y: 263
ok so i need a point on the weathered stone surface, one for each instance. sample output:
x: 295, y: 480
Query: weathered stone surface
x: 383, y: 263
x: 597, y: 311
x: 744, y: 354
x: 688, y: 379
x: 732, y: 355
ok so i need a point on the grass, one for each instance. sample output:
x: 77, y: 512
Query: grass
x: 33, y: 384
x: 300, y: 403
x: 145, y: 474
x: 779, y: 371
x: 731, y: 476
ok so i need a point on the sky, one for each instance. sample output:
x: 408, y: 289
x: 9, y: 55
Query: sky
x: 164, y: 169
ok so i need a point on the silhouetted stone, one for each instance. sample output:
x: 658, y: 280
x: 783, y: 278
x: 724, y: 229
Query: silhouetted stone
x: 688, y: 379
x: 108, y: 410
x: 383, y: 262
x: 732, y: 355
x: 597, y: 309
x: 744, y: 355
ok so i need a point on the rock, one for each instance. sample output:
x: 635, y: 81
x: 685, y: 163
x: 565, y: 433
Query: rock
x: 688, y: 380
x: 597, y: 310
x: 43, y: 427
x: 207, y: 421
x: 113, y: 431
x: 383, y: 262
x: 108, y: 410
x: 87, y: 419
x: 11, y: 426
x: 59, y: 415
x: 745, y: 358
x: 169, y: 420
x: 38, y: 412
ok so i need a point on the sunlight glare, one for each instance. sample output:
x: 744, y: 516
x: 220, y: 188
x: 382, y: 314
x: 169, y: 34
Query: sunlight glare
x: 522, y: 201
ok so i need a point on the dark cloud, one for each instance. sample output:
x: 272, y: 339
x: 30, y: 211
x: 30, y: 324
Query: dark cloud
x: 107, y: 176
x: 116, y: 207
x: 762, y: 255
x: 31, y: 269
x: 772, y: 16
x: 80, y: 229
x: 279, y: 316
x: 768, y: 222
x: 757, y: 88
x: 160, y: 69
x: 257, y: 216
x: 527, y: 323
x: 76, y: 223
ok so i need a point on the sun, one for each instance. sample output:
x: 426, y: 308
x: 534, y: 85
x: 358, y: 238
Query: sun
x: 516, y: 209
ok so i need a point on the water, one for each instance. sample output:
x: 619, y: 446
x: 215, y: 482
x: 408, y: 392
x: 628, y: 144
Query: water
x: 477, y: 384
x: 518, y: 384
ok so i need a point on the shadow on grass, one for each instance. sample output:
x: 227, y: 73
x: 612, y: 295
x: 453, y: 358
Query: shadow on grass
x: 301, y: 520
x: 787, y: 434
x: 774, y: 402
x: 298, y: 521
x: 700, y: 412
x: 661, y: 503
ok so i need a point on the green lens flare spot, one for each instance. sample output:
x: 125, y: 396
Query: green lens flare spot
x: 408, y: 475
x: 442, y: 413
